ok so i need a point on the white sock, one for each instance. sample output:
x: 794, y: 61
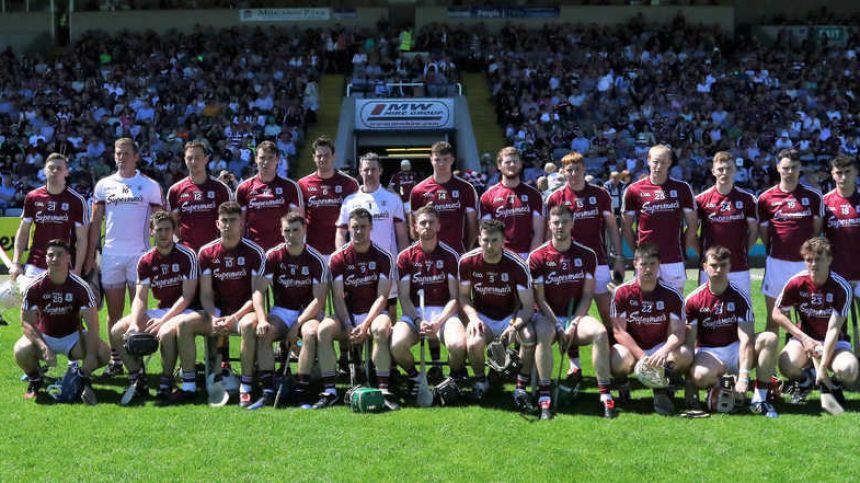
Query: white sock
x: 574, y: 361
x: 245, y: 388
x: 189, y: 386
x: 605, y: 397
x: 760, y: 394
x: 330, y: 390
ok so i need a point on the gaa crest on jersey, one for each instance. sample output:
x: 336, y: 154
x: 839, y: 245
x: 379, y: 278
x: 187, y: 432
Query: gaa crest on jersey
x: 524, y: 198
x: 592, y: 200
x: 338, y: 189
x: 64, y: 206
x: 305, y: 271
x: 829, y: 298
x: 240, y: 261
x: 505, y: 277
x: 455, y: 193
x: 660, y: 305
x: 440, y: 264
x: 175, y: 267
x: 804, y: 201
x: 371, y: 265
x: 673, y: 193
x: 730, y: 306
x: 577, y: 262
x: 279, y: 190
x: 739, y: 205
x: 210, y: 195
x: 69, y: 297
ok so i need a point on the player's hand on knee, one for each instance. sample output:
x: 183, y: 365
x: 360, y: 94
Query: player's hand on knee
x: 742, y: 385
x: 263, y: 327
x: 426, y: 329
x: 658, y: 359
x: 153, y: 325
x: 508, y: 335
x: 809, y: 345
x: 15, y: 271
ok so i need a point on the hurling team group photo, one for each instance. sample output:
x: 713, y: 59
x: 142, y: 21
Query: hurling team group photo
x: 334, y: 290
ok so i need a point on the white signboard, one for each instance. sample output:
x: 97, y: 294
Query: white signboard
x: 284, y: 14
x: 404, y: 114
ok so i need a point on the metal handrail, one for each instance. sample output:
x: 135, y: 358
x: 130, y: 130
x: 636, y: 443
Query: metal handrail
x: 405, y: 84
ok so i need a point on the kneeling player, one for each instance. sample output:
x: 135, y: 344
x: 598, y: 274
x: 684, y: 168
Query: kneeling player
x: 361, y: 282
x: 722, y: 325
x: 299, y: 279
x: 822, y: 300
x: 171, y: 270
x: 429, y: 265
x: 648, y: 323
x: 496, y: 297
x: 54, y: 304
x: 228, y: 267
x: 563, y: 275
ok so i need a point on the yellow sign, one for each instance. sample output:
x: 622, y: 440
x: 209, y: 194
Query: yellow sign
x: 8, y: 228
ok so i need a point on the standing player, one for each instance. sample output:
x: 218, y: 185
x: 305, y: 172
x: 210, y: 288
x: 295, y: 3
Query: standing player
x: 361, y: 283
x: 299, y: 279
x: 660, y: 205
x: 229, y: 266
x: 822, y: 300
x: 194, y: 201
x: 54, y: 304
x: 267, y: 197
x: 496, y: 298
x: 170, y: 269
x: 324, y: 192
x: 58, y: 212
x: 453, y: 197
x: 722, y: 325
x: 428, y: 265
x: 592, y: 210
x: 789, y: 214
x: 728, y: 217
x: 842, y: 220
x: 124, y: 201
x: 389, y: 230
x: 648, y: 321
x: 563, y: 275
x: 517, y: 205
x: 403, y: 181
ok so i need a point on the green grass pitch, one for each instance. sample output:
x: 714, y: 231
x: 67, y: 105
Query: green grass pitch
x: 492, y: 443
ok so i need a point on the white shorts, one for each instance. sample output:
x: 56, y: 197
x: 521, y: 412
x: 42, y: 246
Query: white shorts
x: 62, y: 345
x: 119, y: 270
x: 601, y: 279
x: 33, y: 271
x: 728, y: 355
x: 840, y: 344
x: 674, y: 275
x: 358, y: 319
x: 159, y: 313
x: 431, y: 313
x: 741, y: 280
x: 650, y: 352
x: 776, y: 275
x: 287, y: 316
x: 496, y: 326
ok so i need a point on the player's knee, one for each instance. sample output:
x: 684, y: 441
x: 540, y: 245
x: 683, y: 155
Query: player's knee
x: 248, y: 328
x: 766, y: 340
x: 703, y: 376
x: 23, y: 348
x: 310, y: 331
x: 788, y: 366
x: 682, y: 357
x: 381, y: 328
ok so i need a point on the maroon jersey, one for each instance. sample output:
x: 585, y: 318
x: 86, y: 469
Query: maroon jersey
x: 516, y: 208
x: 563, y: 274
x: 717, y: 316
x: 590, y: 207
x: 402, y: 182
x: 430, y: 271
x: 725, y: 222
x: 197, y: 207
x: 452, y: 200
x: 647, y: 314
x: 842, y: 228
x: 264, y: 204
x: 789, y: 218
x: 55, y: 217
x: 360, y: 274
x: 232, y: 272
x: 59, y: 306
x: 293, y: 278
x: 323, y: 198
x: 165, y: 273
x: 660, y: 214
x: 816, y: 304
x: 494, y: 285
